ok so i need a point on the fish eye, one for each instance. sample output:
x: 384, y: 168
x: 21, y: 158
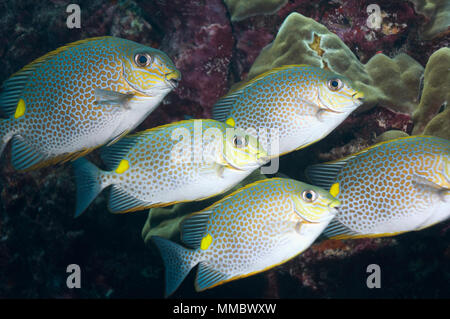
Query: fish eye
x: 309, y: 196
x: 143, y: 60
x: 240, y: 141
x: 335, y: 84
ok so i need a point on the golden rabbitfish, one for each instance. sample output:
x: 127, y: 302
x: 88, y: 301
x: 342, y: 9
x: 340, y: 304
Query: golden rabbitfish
x: 301, y: 103
x: 182, y: 161
x: 79, y: 97
x: 390, y: 188
x: 253, y: 229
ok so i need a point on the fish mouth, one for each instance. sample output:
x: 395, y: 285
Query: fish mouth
x: 334, y: 203
x: 172, y: 83
x: 333, y: 208
x: 173, y: 79
x: 359, y: 96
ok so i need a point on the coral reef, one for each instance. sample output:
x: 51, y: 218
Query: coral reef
x: 433, y: 115
x: 241, y: 9
x: 397, y: 81
x: 389, y: 82
x: 198, y: 36
x: 390, y: 135
x: 438, y: 16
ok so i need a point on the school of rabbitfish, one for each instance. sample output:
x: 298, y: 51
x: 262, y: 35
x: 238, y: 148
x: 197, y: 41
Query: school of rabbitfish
x: 92, y: 93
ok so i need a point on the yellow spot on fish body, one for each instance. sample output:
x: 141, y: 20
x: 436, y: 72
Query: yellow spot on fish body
x: 123, y: 167
x: 21, y: 108
x: 230, y: 122
x: 334, y: 190
x: 206, y: 242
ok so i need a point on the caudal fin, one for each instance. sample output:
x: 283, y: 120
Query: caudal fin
x: 4, y: 134
x: 87, y: 178
x: 178, y: 262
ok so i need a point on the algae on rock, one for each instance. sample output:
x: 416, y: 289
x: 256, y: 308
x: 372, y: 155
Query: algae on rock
x: 433, y: 114
x: 438, y: 14
x: 397, y: 81
x: 390, y: 135
x: 242, y: 9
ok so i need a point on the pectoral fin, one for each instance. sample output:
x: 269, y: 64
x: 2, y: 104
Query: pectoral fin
x: 219, y: 170
x: 105, y: 97
x: 213, y: 169
x: 437, y: 184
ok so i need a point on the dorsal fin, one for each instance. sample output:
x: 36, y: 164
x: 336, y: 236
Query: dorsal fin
x: 12, y: 88
x: 324, y: 175
x: 113, y: 154
x: 222, y: 107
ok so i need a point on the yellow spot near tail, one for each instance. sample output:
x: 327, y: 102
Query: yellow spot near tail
x: 206, y: 242
x: 334, y: 190
x: 123, y: 167
x: 230, y: 122
x: 20, y: 110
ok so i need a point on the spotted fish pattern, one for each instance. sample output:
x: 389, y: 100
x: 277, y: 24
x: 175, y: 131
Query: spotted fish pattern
x: 296, y: 105
x: 79, y: 97
x: 390, y: 188
x: 253, y: 229
x: 183, y: 161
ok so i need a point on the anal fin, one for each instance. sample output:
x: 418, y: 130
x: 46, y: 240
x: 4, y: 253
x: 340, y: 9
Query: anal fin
x: 123, y: 202
x: 207, y: 277
x: 337, y: 230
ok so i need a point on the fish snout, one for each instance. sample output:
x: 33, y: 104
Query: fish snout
x: 358, y: 96
x: 263, y: 159
x: 334, y: 203
x: 173, y: 78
